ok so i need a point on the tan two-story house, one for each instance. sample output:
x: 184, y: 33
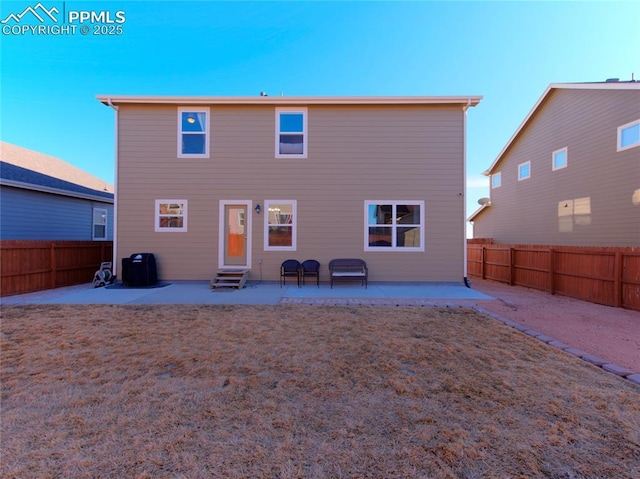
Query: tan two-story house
x: 209, y: 183
x: 570, y: 174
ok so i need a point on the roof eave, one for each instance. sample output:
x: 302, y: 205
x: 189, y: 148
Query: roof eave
x: 55, y: 191
x: 468, y: 100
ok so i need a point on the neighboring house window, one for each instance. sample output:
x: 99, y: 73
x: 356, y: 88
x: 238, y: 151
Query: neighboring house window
x: 524, y: 170
x: 559, y: 159
x: 193, y: 132
x: 496, y: 180
x: 629, y: 135
x: 171, y: 215
x: 99, y: 224
x: 394, y: 225
x: 291, y: 133
x: 280, y: 225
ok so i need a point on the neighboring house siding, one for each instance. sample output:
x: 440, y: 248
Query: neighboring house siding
x: 597, y: 186
x: 355, y: 153
x: 33, y: 215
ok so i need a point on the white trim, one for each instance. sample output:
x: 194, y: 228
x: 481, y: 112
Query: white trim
x: 566, y: 159
x: 393, y: 248
x: 470, y: 100
x: 305, y: 133
x: 522, y: 178
x: 221, y: 230
x: 294, y: 225
x: 619, y: 139
x: 207, y: 130
x: 185, y: 210
x: 498, y: 175
x: 105, y: 214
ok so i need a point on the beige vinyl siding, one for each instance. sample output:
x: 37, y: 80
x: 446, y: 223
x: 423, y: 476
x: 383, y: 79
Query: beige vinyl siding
x: 355, y: 153
x: 586, y: 122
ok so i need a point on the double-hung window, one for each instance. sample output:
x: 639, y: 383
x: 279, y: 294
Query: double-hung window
x: 171, y: 216
x: 394, y: 226
x: 559, y: 159
x: 524, y: 170
x: 629, y: 135
x: 99, y: 224
x: 280, y: 225
x: 496, y: 180
x: 291, y: 133
x: 193, y: 132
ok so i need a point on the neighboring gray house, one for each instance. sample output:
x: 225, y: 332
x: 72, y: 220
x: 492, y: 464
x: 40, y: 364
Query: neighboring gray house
x: 44, y: 198
x: 570, y: 175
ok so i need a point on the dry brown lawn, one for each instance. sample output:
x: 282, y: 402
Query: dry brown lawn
x: 302, y: 392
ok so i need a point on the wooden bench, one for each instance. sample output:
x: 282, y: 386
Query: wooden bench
x: 348, y: 269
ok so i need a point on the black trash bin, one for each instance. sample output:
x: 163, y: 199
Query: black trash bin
x: 139, y: 269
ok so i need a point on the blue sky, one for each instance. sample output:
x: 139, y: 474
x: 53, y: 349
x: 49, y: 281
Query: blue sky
x: 509, y: 52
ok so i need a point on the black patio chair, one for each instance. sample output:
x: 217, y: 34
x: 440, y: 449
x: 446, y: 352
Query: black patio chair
x: 289, y: 269
x: 310, y: 267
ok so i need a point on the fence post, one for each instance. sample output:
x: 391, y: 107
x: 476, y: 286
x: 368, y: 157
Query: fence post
x: 511, y: 267
x: 617, y: 280
x: 483, y: 258
x: 552, y: 269
x: 52, y: 254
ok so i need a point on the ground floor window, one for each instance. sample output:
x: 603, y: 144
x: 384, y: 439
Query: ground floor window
x: 280, y: 225
x: 394, y: 226
x: 171, y: 215
x: 99, y: 224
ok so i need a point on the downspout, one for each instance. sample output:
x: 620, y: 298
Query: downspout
x: 114, y: 262
x: 464, y: 195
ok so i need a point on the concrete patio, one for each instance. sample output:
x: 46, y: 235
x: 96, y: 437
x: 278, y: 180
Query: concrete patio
x: 199, y: 292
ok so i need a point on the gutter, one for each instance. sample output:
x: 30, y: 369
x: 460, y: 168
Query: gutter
x: 464, y: 190
x: 55, y: 191
x: 114, y: 262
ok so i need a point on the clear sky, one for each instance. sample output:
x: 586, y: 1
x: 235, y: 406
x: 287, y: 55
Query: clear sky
x: 509, y: 52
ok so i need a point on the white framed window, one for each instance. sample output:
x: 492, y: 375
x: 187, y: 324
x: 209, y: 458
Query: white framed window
x: 559, y: 159
x: 628, y: 136
x: 280, y: 225
x: 394, y: 225
x: 291, y: 133
x: 524, y: 171
x: 99, y: 226
x: 171, y: 216
x: 496, y: 180
x: 193, y: 132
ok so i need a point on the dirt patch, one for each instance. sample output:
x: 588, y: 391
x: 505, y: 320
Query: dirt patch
x: 302, y: 391
x: 610, y: 333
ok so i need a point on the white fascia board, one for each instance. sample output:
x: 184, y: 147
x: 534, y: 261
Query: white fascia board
x: 290, y: 100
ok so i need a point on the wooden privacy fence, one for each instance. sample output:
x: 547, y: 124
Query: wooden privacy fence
x: 27, y: 266
x: 607, y: 275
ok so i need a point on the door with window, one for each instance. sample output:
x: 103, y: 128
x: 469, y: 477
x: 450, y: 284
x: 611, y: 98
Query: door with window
x: 235, y: 234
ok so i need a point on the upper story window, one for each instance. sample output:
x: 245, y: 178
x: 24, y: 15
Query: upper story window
x: 99, y: 224
x: 629, y: 135
x: 193, y: 132
x: 559, y: 159
x: 394, y: 226
x: 280, y: 225
x: 291, y: 133
x: 496, y: 180
x: 524, y: 170
x: 171, y: 215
